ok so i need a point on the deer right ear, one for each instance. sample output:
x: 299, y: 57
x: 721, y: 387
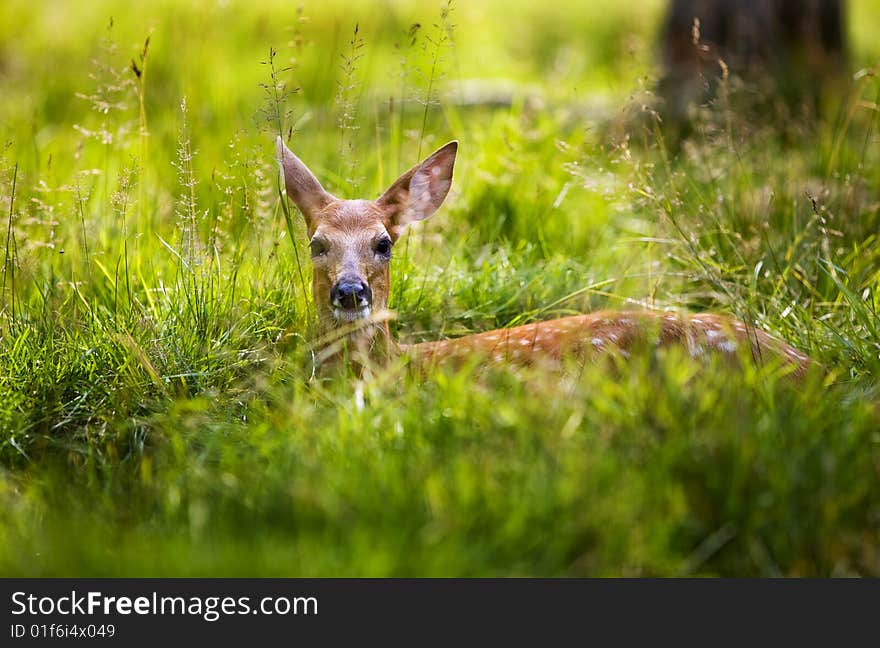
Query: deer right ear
x: 302, y: 185
x: 419, y: 192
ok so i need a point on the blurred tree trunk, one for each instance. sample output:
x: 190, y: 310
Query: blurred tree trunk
x: 785, y: 53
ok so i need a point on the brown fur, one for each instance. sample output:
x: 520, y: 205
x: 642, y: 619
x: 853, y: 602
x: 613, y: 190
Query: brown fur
x: 587, y: 336
x: 350, y: 227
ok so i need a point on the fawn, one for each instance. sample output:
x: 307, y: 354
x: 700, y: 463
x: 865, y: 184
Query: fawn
x: 351, y: 242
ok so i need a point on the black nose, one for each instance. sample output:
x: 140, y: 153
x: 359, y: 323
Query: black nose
x: 350, y: 293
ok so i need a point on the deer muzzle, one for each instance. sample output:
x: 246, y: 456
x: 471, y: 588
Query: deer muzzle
x: 350, y: 299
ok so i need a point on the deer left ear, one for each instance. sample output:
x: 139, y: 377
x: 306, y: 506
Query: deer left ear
x: 419, y: 192
x: 302, y: 185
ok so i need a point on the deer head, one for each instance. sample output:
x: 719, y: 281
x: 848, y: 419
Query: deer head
x: 351, y: 241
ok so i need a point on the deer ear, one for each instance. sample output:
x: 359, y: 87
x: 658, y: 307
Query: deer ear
x: 419, y: 192
x: 302, y: 185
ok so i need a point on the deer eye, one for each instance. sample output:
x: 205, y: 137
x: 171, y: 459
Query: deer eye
x: 383, y: 247
x: 317, y: 247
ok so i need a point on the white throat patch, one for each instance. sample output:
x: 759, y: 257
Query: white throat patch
x: 343, y: 315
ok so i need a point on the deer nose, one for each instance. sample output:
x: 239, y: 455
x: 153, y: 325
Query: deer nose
x: 351, y: 293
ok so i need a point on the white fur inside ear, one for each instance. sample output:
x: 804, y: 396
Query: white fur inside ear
x: 419, y: 192
x: 427, y: 189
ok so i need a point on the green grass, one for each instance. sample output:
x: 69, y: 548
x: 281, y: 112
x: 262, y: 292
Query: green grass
x: 159, y: 415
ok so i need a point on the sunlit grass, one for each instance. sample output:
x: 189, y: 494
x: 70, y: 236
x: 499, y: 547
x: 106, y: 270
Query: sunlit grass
x: 159, y: 410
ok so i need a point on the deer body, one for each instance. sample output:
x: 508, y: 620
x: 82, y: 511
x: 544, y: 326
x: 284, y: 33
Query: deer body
x: 351, y: 242
x: 584, y: 337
